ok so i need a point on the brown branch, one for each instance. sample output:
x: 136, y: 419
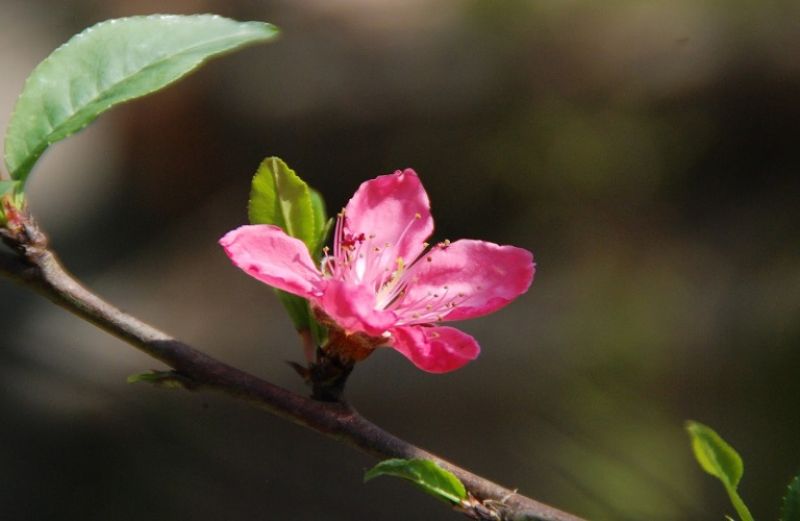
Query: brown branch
x: 37, y: 267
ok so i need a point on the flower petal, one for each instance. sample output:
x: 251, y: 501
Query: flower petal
x: 435, y: 349
x: 392, y: 209
x: 265, y: 252
x: 464, y: 279
x: 352, y: 307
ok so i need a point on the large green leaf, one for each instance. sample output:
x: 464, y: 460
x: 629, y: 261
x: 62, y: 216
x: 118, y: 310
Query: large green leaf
x: 109, y: 63
x: 719, y: 459
x: 790, y: 510
x: 426, y: 474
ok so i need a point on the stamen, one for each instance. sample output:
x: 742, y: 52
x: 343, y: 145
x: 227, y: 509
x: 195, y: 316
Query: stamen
x: 428, y: 308
x: 375, y: 263
x: 388, y: 291
x: 338, y: 239
x: 417, y: 217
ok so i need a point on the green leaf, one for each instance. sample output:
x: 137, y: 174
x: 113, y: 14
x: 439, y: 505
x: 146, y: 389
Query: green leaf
x: 318, y: 209
x: 426, y: 474
x: 720, y: 460
x: 714, y: 455
x: 278, y: 196
x: 167, y: 379
x: 319, y: 333
x: 12, y: 200
x: 790, y: 511
x: 299, y: 311
x: 7, y: 186
x: 297, y: 308
x: 322, y: 225
x: 110, y: 63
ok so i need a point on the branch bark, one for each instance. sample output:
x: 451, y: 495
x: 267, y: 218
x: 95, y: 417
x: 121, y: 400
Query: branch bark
x: 37, y: 267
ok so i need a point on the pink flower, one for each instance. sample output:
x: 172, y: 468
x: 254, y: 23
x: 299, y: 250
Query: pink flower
x: 380, y: 285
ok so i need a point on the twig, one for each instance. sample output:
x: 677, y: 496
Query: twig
x: 36, y: 266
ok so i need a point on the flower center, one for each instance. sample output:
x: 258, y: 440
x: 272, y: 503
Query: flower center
x: 360, y: 258
x: 363, y: 259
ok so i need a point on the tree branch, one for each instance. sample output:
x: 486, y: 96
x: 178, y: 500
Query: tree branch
x: 37, y: 267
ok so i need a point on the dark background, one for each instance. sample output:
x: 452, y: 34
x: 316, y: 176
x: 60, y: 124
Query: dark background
x: 644, y: 151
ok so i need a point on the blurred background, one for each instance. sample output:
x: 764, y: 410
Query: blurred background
x: 644, y: 151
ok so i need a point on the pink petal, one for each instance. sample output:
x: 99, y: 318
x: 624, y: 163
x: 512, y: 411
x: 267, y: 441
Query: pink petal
x: 352, y: 307
x: 464, y: 279
x: 392, y: 209
x: 435, y: 349
x: 265, y: 252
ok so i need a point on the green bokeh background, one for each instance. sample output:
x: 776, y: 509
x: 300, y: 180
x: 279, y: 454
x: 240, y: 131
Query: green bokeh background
x: 644, y: 151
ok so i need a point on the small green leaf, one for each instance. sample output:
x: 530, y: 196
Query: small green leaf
x: 714, y: 455
x: 12, y: 200
x: 790, y: 511
x: 297, y: 308
x: 278, y: 196
x: 322, y: 225
x: 426, y: 474
x: 299, y: 311
x: 318, y: 209
x: 323, y: 236
x: 720, y: 460
x: 168, y: 379
x: 7, y: 185
x: 110, y: 63
x: 319, y: 333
